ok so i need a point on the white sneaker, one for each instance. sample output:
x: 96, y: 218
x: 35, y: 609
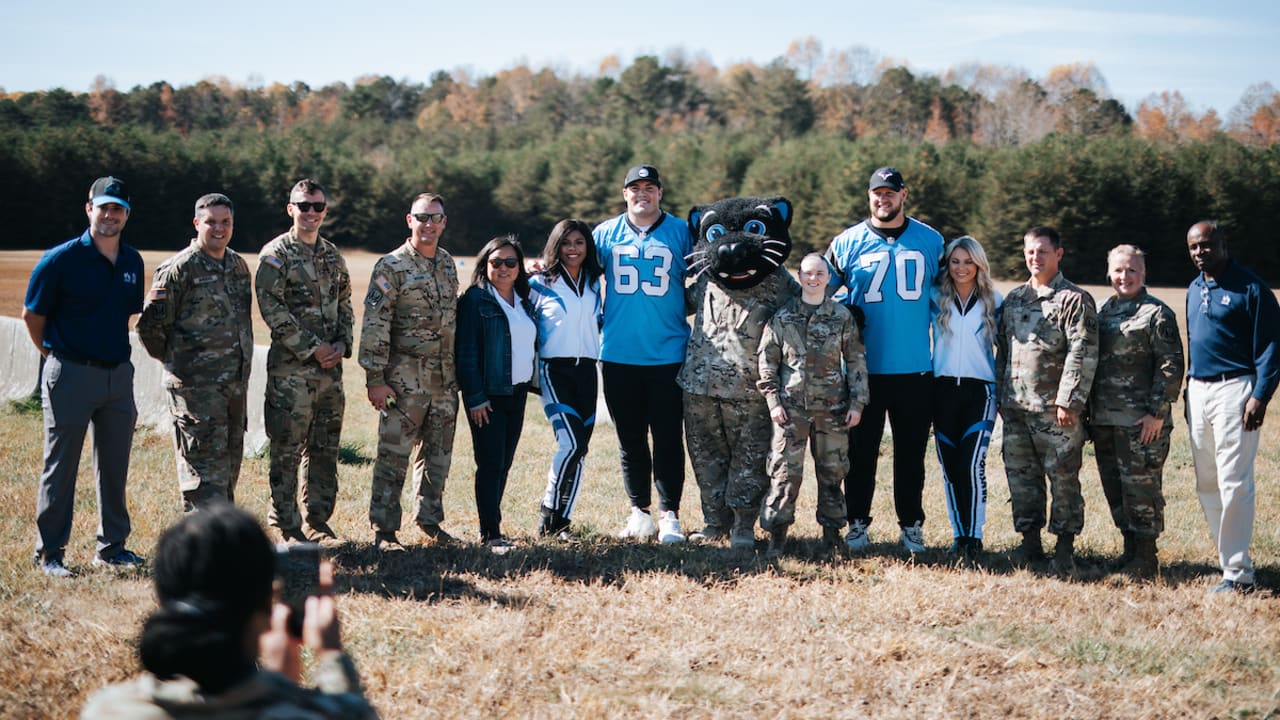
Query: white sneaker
x: 669, y: 528
x: 856, y: 538
x: 639, y: 525
x: 913, y: 538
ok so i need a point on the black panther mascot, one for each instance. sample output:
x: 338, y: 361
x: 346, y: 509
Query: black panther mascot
x: 739, y: 282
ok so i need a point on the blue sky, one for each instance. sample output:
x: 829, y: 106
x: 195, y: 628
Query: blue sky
x: 1210, y: 52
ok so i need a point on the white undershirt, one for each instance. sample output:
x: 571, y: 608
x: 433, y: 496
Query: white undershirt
x: 524, y: 338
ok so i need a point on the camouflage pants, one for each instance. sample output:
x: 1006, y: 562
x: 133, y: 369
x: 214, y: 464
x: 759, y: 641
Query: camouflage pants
x: 828, y: 439
x: 209, y: 422
x: 1132, y: 476
x: 303, y: 418
x: 1034, y: 446
x: 424, y: 422
x: 728, y: 446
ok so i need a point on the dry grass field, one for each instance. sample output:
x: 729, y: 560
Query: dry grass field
x: 613, y: 629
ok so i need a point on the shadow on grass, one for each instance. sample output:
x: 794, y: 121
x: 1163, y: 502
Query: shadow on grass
x: 435, y: 573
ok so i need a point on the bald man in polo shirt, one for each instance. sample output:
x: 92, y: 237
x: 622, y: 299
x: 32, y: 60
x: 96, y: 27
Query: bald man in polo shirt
x: 77, y: 310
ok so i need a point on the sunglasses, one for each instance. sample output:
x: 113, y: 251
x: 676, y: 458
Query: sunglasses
x: 309, y: 206
x: 436, y: 218
x: 499, y: 262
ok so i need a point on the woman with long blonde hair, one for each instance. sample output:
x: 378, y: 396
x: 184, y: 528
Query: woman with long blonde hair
x: 964, y: 398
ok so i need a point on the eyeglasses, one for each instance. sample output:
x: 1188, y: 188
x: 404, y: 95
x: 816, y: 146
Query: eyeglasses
x: 499, y: 262
x: 436, y: 218
x: 309, y: 206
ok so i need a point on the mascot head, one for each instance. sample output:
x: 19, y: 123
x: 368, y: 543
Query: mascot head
x: 740, y: 241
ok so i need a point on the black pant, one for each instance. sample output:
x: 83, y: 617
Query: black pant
x: 964, y: 412
x: 495, y: 449
x: 645, y: 400
x: 908, y: 401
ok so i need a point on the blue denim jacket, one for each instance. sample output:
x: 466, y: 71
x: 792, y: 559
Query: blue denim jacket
x: 483, y: 347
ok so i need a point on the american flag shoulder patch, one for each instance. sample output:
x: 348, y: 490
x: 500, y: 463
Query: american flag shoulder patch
x: 383, y: 283
x: 158, y: 292
x: 273, y: 261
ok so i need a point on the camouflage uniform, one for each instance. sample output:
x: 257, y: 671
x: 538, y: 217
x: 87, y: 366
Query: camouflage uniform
x: 812, y: 363
x: 304, y: 294
x: 407, y: 342
x: 726, y: 421
x: 1140, y: 368
x: 1048, y: 344
x: 196, y: 321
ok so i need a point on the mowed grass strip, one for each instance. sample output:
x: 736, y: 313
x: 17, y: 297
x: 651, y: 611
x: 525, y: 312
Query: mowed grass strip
x: 611, y: 629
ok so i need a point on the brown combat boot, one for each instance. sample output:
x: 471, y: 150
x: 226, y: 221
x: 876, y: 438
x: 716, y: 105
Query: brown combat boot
x: 742, y: 536
x: 1064, y: 554
x: 1144, y: 564
x: 1030, y: 550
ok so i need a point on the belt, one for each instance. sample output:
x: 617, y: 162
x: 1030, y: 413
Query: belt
x: 1223, y: 377
x: 64, y: 356
x: 569, y: 361
x: 962, y: 380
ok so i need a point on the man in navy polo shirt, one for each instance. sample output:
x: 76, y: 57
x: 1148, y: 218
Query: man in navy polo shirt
x: 77, y: 310
x: 1233, y: 344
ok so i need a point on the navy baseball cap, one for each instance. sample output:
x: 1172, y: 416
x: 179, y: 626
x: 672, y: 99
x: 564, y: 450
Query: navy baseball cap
x: 887, y: 177
x: 642, y: 172
x: 109, y: 190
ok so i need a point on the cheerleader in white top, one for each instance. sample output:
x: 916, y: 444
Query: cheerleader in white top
x: 566, y: 299
x: 965, y: 398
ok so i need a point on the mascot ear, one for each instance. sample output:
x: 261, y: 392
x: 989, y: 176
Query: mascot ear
x: 782, y: 207
x: 695, y: 217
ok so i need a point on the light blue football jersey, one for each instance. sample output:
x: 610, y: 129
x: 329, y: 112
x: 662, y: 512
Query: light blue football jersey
x: 892, y: 283
x: 644, y: 316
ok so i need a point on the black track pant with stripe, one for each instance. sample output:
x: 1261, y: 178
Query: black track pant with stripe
x: 964, y: 412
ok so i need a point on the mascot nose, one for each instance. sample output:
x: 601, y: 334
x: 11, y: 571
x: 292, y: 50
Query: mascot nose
x: 728, y: 254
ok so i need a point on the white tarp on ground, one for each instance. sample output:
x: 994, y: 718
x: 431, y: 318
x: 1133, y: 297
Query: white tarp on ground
x: 19, y: 363
x: 20, y: 367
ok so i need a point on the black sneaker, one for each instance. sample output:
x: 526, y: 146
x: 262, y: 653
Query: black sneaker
x: 123, y: 560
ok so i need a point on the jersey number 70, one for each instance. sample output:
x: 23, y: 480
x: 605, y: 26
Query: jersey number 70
x: 909, y: 274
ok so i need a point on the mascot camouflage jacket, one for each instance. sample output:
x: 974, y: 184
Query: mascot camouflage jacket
x: 720, y: 360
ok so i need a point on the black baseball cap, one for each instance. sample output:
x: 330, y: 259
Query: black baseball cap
x: 642, y: 172
x: 887, y: 177
x: 109, y: 190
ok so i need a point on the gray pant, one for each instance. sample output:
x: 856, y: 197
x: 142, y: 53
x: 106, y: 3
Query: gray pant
x: 75, y: 396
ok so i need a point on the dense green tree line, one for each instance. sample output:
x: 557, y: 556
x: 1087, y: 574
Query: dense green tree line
x: 517, y: 151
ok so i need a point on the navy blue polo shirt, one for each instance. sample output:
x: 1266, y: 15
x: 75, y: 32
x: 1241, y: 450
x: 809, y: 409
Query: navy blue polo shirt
x: 1233, y: 328
x: 86, y: 300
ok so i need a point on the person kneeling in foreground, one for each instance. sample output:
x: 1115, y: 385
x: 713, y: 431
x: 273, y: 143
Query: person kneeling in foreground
x: 218, y: 645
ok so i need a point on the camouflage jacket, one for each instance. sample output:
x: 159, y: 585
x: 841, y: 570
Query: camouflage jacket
x: 304, y: 295
x: 1140, y: 361
x: 410, y: 317
x: 1048, y: 347
x: 813, y: 362
x: 720, y: 359
x: 197, y: 319
x: 337, y: 696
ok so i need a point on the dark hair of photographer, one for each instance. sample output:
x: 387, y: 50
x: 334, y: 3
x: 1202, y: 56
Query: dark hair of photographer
x: 213, y: 573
